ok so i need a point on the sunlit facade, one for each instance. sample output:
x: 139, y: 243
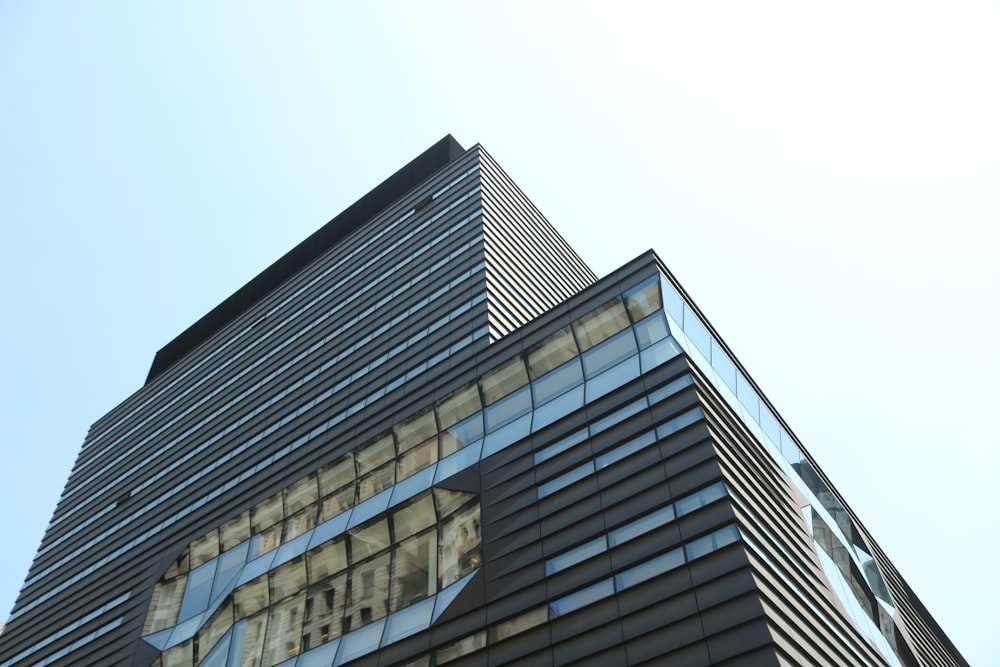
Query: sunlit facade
x: 429, y: 435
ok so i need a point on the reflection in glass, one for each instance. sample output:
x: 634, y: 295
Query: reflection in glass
x: 459, y: 550
x: 504, y: 380
x: 233, y: 532
x: 599, y: 325
x: 323, y: 611
x: 414, y: 575
x: 555, y: 351
x: 283, y: 631
x: 326, y: 560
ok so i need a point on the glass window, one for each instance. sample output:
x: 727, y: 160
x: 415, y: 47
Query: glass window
x: 369, y: 540
x: 508, y: 409
x: 339, y: 502
x: 652, y: 329
x: 448, y: 501
x: 460, y: 405
x: 672, y: 301
x: 669, y: 389
x: 699, y: 499
x: 504, y: 380
x: 414, y: 517
x: 288, y: 579
x: 459, y: 547
x: 561, y: 446
x: 253, y: 639
x: 204, y: 549
x: 723, y: 365
x: 558, y: 408
x: 518, y: 624
x: 659, y: 353
x: 233, y: 532
x: 644, y: 299
x: 463, y: 433
x: 461, y: 648
x: 284, y: 631
x: 711, y: 542
x: 181, y: 655
x: 417, y: 458
x: 677, y: 423
x: 251, y: 597
x: 369, y: 597
x: 582, y: 598
x: 558, y: 381
x: 612, y: 378
x: 336, y: 475
x: 609, y: 353
x: 376, y: 481
x: 414, y: 570
x: 566, y: 479
x: 375, y: 453
x: 198, y: 591
x: 266, y: 542
x: 300, y: 494
x: 576, y: 555
x: 649, y: 569
x: 416, y: 430
x: 267, y: 513
x: 555, y: 351
x: 641, y: 526
x: 324, y: 610
x: 623, y: 451
x: 747, y: 396
x: 697, y: 332
x: 770, y: 425
x: 618, y: 416
x: 300, y: 523
x: 326, y: 560
x: 181, y: 564
x: 599, y: 325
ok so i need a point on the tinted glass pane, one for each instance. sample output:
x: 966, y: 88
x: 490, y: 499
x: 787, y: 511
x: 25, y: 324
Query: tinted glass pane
x: 508, y: 408
x: 414, y: 517
x: 576, y: 555
x: 652, y: 329
x: 369, y: 540
x: 369, y: 592
x: 233, y: 532
x: 558, y: 349
x: 697, y: 332
x: 326, y: 560
x: 584, y: 597
x: 711, y: 542
x: 460, y: 541
x: 642, y: 525
x: 302, y: 493
x: 415, y: 430
x: 566, y: 479
x: 609, y: 353
x: 558, y: 381
x: 504, y: 380
x: 337, y: 475
x: 284, y: 631
x: 459, y: 406
x: 561, y: 446
x: 700, y: 498
x: 267, y: 513
x: 650, y: 569
x: 414, y: 575
x: 288, y: 579
x: 599, y: 325
x: 324, y: 610
x: 417, y: 458
x: 375, y: 454
x: 644, y: 299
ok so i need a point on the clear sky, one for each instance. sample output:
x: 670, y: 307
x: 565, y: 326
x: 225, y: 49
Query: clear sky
x: 824, y: 179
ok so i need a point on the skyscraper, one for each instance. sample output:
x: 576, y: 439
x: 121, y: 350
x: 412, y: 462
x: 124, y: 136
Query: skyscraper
x: 429, y: 435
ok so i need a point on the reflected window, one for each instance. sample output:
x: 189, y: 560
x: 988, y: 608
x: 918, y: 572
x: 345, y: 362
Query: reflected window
x: 611, y: 352
x: 576, y: 555
x: 375, y: 453
x: 165, y: 605
x: 267, y: 513
x: 582, y: 598
x: 323, y: 610
x: 288, y: 579
x: 233, y: 532
x: 651, y: 568
x: 251, y: 597
x: 461, y: 648
x: 369, y: 540
x: 459, y: 547
x: 284, y: 631
x: 416, y: 430
x: 711, y: 542
x: 414, y: 517
x: 339, y: 502
x: 417, y: 458
x: 376, y: 481
x: 460, y: 405
x: 555, y: 351
x: 369, y: 592
x: 213, y: 631
x: 651, y: 330
x: 596, y: 327
x: 508, y: 409
x: 504, y: 380
x: 557, y: 382
x: 336, y: 475
x: 699, y: 499
x: 204, y: 549
x: 414, y: 575
x: 302, y: 493
x: 518, y: 624
x: 327, y: 560
x: 644, y: 299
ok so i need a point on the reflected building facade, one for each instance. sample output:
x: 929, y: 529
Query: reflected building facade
x: 429, y: 435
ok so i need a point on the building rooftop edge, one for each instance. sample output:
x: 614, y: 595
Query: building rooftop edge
x: 417, y: 170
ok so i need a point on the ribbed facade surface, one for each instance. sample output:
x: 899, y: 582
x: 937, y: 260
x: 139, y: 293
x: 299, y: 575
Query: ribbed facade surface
x: 437, y: 439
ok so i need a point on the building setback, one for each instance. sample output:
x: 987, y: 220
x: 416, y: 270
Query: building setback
x: 429, y: 435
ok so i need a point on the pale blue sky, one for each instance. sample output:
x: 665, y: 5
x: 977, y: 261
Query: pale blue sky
x: 822, y: 179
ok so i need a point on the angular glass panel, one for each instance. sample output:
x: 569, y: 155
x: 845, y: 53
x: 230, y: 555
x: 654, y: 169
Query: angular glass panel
x: 460, y: 545
x: 327, y: 560
x: 748, y: 397
x: 555, y: 351
x: 623, y: 451
x: 377, y: 481
x: 699, y: 499
x: 711, y: 542
x: 284, y: 631
x: 415, y: 430
x: 255, y: 568
x: 180, y: 565
x: 336, y: 503
x: 408, y: 622
x: 375, y: 453
x: 723, y: 365
x: 288, y: 579
x: 582, y: 598
x: 575, y: 555
x: 181, y: 655
x: 508, y: 409
x: 204, y: 549
x: 300, y: 494
x: 669, y: 389
x: 659, y: 353
x: 461, y: 648
x: 251, y: 597
x: 266, y: 542
x: 291, y: 549
x: 612, y: 378
x: 640, y: 526
x: 448, y: 501
x: 300, y: 523
x: 213, y: 631
x: 599, y: 325
x: 770, y: 425
x: 697, y: 332
x: 230, y: 565
x: 199, y: 587
x: 507, y: 435
x: 790, y: 450
x: 649, y: 569
x: 609, y: 353
x: 504, y: 380
x: 218, y: 656
x: 415, y: 484
x: 336, y: 475
x: 369, y: 592
x: 672, y: 301
x: 558, y: 408
x: 324, y: 611
x: 165, y: 605
x: 651, y: 330
x: 374, y: 505
x: 618, y: 416
x: 417, y: 458
x: 518, y: 624
x: 457, y: 462
x: 465, y: 432
x: 557, y: 381
x: 318, y: 657
x: 413, y: 517
x: 414, y: 570
x: 562, y: 445
x: 253, y: 641
x: 369, y: 540
x: 233, y: 532
x: 460, y: 405
x: 267, y: 513
x: 644, y: 299
x: 360, y: 642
